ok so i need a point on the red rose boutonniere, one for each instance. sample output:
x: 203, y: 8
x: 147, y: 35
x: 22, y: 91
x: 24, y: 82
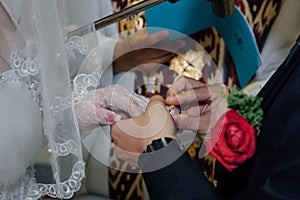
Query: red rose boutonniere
x: 233, y: 138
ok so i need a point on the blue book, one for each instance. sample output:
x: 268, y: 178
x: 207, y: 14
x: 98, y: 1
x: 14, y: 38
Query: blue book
x: 190, y: 16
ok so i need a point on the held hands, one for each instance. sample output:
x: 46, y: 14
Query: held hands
x: 131, y: 136
x: 139, y: 49
x: 107, y: 105
x: 201, y: 105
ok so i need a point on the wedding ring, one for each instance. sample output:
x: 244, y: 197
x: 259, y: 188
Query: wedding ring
x: 173, y: 110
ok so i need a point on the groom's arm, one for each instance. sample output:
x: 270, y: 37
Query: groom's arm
x: 181, y: 179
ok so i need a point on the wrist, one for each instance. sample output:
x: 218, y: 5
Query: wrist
x: 154, y: 146
x: 159, y: 154
x: 158, y: 144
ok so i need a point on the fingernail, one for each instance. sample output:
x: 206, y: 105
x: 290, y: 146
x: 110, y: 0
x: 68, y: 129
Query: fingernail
x: 112, y: 118
x: 165, y: 33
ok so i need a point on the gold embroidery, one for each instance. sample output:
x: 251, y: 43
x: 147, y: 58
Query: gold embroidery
x: 132, y: 23
x: 266, y: 14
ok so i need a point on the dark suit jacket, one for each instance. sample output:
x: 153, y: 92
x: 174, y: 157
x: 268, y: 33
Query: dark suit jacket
x: 274, y: 171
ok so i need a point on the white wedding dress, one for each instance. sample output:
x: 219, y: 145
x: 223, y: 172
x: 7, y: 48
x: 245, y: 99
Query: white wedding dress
x: 20, y: 122
x: 21, y: 135
x: 30, y: 118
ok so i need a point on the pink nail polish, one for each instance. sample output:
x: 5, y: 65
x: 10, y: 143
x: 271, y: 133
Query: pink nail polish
x: 111, y: 118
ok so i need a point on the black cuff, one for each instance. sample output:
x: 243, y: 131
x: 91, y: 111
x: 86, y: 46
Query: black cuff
x: 160, y: 153
x: 158, y: 144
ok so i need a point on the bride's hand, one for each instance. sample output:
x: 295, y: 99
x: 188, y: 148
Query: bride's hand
x: 108, y: 105
x: 131, y: 136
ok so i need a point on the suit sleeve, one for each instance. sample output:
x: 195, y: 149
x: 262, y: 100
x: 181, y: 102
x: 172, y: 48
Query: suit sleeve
x: 283, y: 181
x: 181, y: 179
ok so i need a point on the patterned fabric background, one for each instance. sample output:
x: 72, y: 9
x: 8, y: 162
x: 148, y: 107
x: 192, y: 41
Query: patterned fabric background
x: 132, y: 23
x: 260, y: 15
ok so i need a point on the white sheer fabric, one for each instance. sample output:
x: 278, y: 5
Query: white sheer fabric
x: 20, y: 125
x: 36, y: 99
x: 108, y: 37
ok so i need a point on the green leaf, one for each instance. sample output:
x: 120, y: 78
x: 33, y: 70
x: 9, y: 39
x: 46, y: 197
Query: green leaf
x: 246, y: 106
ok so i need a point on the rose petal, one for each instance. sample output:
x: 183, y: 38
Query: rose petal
x: 235, y: 136
x: 233, y: 140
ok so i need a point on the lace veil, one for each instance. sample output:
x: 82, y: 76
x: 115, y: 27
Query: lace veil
x: 48, y: 53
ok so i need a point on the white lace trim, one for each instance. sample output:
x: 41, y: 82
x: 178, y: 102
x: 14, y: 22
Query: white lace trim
x: 25, y: 66
x: 65, y: 149
x: 77, y: 42
x: 58, y: 107
x: 64, y: 190
x: 83, y: 82
x: 24, y: 62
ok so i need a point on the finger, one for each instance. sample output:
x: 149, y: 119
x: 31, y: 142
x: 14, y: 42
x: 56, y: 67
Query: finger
x: 126, y: 101
x: 173, y: 46
x: 151, y: 56
x: 186, y: 122
x: 154, y: 53
x: 132, y: 109
x: 192, y: 96
x: 161, y: 59
x: 157, y: 37
x: 194, y: 110
x: 107, y: 117
x: 135, y: 107
x: 158, y: 54
x: 182, y: 84
x: 86, y: 113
